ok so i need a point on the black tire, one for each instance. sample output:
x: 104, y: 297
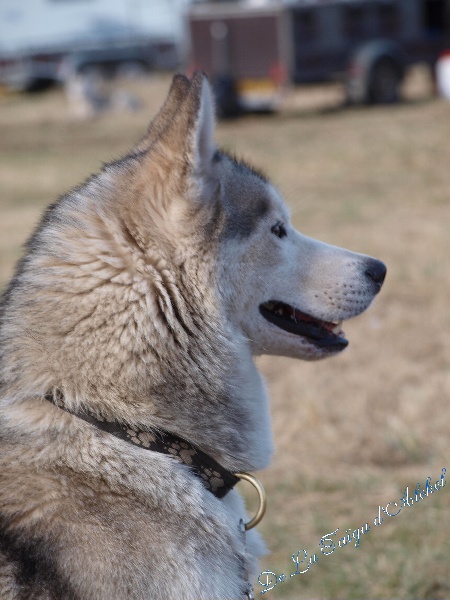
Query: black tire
x: 38, y: 85
x: 227, y: 98
x: 384, y: 82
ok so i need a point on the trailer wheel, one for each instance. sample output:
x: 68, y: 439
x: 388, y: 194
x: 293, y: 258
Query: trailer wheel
x: 227, y: 98
x: 384, y: 82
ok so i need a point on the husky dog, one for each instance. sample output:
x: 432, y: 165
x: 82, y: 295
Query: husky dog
x: 134, y: 317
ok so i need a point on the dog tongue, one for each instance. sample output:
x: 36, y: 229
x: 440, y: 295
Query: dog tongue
x: 300, y: 316
x: 294, y: 321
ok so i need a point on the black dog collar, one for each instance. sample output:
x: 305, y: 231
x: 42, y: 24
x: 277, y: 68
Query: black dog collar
x: 214, y: 477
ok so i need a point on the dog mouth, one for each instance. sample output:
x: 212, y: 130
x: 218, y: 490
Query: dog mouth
x: 325, y: 334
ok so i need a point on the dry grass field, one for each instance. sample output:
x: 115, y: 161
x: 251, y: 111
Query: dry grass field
x: 352, y: 432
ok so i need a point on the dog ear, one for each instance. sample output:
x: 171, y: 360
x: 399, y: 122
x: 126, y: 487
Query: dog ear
x: 205, y: 124
x: 175, y: 172
x: 180, y: 138
x: 177, y: 93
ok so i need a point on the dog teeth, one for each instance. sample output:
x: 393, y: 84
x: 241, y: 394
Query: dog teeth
x: 338, y: 327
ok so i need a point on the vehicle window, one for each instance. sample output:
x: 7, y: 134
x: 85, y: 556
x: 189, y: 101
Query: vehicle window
x: 354, y: 23
x: 434, y: 16
x: 306, y: 26
x: 389, y: 19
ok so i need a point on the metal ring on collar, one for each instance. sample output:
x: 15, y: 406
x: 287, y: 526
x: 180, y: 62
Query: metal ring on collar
x: 262, y: 499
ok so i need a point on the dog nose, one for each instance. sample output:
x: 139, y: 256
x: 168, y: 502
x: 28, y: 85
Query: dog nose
x: 376, y: 271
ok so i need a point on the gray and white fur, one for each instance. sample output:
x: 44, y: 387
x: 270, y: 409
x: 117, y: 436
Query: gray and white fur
x: 139, y: 298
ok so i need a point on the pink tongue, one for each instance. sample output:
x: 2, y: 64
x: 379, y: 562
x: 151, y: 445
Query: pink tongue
x: 308, y: 319
x: 302, y: 317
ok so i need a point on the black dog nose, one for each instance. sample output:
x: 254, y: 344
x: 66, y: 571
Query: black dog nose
x: 376, y: 271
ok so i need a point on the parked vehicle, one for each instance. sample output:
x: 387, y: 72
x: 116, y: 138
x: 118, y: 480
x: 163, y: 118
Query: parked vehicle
x: 43, y: 41
x: 251, y: 51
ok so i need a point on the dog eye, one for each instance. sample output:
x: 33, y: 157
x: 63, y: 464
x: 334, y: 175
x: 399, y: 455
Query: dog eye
x: 279, y: 230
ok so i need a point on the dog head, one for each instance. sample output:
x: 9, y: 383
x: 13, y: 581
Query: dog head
x: 175, y: 259
x: 286, y: 293
x: 146, y: 290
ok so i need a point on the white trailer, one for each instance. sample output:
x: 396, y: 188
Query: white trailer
x: 37, y: 35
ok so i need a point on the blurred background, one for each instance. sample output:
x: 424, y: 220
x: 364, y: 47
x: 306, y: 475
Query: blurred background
x: 346, y: 105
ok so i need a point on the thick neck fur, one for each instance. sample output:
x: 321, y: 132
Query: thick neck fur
x: 130, y: 327
x: 117, y: 301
